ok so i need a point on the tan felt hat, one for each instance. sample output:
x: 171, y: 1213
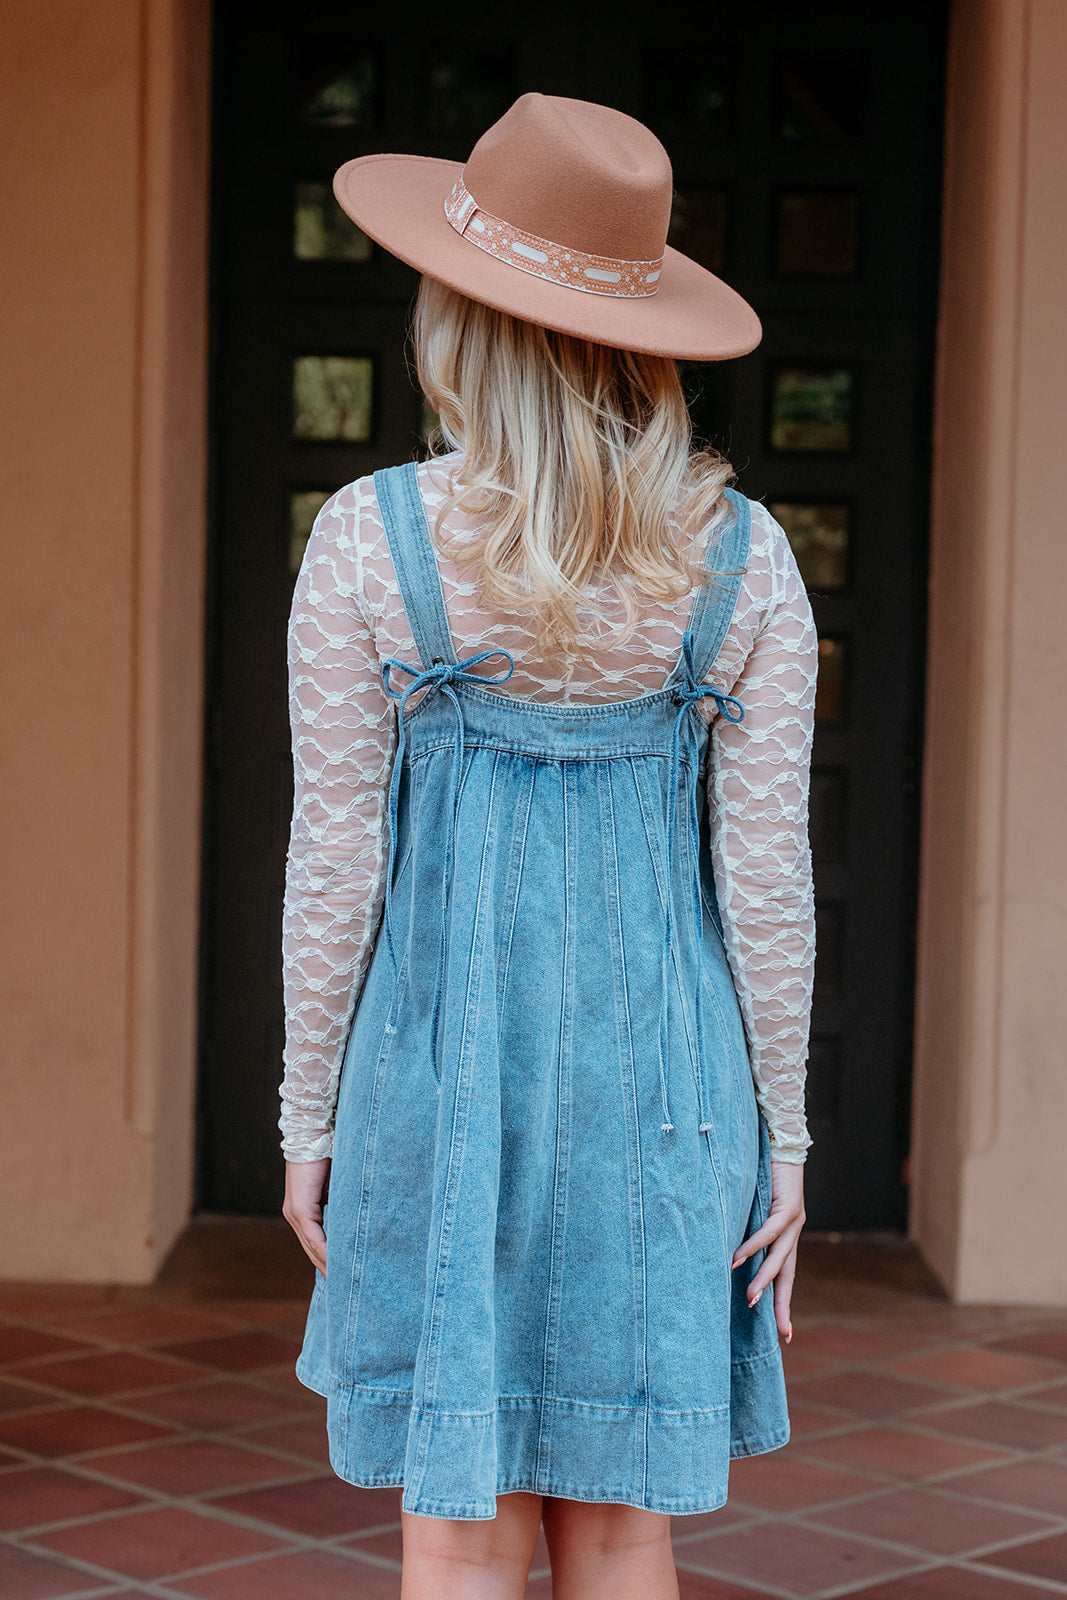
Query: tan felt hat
x: 559, y: 217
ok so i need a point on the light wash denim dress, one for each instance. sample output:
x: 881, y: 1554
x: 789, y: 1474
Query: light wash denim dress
x: 547, y: 1142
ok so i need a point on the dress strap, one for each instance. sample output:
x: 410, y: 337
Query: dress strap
x: 713, y: 608
x: 414, y: 562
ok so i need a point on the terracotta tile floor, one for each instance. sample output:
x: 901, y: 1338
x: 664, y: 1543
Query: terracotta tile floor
x: 155, y: 1442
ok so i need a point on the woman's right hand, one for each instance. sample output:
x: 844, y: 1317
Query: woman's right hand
x: 306, y: 1184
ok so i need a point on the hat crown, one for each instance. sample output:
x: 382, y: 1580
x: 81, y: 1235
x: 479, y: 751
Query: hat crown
x: 585, y: 176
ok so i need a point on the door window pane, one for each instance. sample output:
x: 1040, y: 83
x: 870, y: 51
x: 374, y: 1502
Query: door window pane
x: 332, y: 397
x: 818, y: 534
x: 818, y: 233
x: 819, y: 101
x: 304, y: 507
x: 811, y: 409
x: 691, y: 92
x: 321, y: 230
x: 339, y: 85
x: 469, y: 89
x: 830, y: 684
x: 698, y: 226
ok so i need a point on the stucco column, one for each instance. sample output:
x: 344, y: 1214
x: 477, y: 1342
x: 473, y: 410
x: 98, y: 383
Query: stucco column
x: 990, y: 1107
x: 104, y: 167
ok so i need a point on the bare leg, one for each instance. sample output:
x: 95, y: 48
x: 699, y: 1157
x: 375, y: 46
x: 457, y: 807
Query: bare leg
x: 607, y: 1552
x: 454, y: 1560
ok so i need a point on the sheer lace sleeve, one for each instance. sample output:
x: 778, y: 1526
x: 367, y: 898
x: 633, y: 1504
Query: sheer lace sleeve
x: 758, y: 799
x: 343, y: 731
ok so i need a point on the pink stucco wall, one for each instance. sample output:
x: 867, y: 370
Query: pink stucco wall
x: 990, y: 1106
x: 102, y: 322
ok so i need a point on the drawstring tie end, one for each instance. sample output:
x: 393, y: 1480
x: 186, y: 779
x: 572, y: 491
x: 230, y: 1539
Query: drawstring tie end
x: 444, y: 676
x: 687, y: 694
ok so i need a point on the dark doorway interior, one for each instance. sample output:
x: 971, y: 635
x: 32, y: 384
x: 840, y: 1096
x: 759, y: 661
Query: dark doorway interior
x: 805, y: 142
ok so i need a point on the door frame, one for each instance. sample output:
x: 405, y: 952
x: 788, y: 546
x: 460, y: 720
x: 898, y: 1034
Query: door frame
x: 968, y: 97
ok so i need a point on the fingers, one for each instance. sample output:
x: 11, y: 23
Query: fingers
x: 775, y: 1225
x: 760, y: 1239
x: 309, y: 1231
x: 305, y: 1186
x: 314, y: 1242
x: 783, y: 1290
x: 778, y: 1237
x: 771, y: 1266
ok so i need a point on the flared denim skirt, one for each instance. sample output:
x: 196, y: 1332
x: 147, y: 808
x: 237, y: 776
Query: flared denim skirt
x: 547, y: 1142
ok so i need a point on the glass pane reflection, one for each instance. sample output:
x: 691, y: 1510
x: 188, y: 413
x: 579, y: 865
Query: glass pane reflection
x: 690, y: 92
x: 332, y: 397
x: 339, y: 86
x: 818, y: 234
x: 811, y: 409
x: 321, y: 230
x: 698, y: 226
x: 830, y: 685
x: 818, y: 534
x: 819, y: 101
x: 304, y: 507
x: 469, y: 88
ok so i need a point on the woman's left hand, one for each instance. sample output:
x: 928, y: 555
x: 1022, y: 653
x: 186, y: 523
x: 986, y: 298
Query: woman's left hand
x: 782, y: 1230
x: 306, y: 1183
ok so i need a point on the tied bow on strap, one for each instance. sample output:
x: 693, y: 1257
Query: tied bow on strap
x: 687, y: 694
x: 443, y: 675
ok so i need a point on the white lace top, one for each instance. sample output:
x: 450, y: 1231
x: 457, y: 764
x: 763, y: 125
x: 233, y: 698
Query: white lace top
x: 347, y: 617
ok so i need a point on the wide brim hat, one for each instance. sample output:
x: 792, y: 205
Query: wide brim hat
x: 560, y: 217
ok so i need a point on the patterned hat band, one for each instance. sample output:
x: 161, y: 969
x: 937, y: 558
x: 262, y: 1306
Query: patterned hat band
x: 575, y: 269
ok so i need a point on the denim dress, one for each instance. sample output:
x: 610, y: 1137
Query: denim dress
x: 547, y: 1143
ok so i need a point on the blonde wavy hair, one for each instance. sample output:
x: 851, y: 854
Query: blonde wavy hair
x: 576, y: 456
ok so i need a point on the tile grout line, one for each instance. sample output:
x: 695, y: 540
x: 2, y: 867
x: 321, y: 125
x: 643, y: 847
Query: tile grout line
x: 45, y: 1400
x: 1055, y: 1523
x: 809, y: 1518
x: 312, y: 1466
x: 975, y: 1553
x: 111, y: 1575
x: 919, y: 1565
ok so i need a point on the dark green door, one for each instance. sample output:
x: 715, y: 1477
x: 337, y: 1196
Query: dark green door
x: 809, y: 176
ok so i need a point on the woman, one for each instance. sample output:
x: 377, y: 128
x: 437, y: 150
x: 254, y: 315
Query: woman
x: 548, y: 925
